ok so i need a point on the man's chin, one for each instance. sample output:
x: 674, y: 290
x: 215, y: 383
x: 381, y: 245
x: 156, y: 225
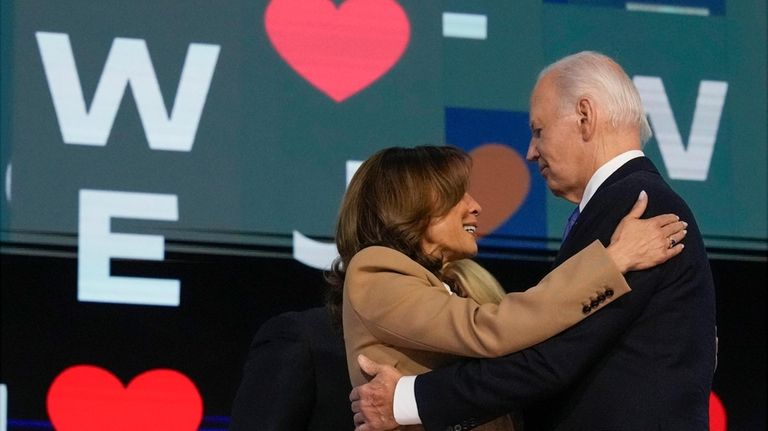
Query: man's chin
x: 556, y: 190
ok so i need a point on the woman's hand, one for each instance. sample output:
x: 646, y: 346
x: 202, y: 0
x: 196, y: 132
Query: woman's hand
x: 642, y: 243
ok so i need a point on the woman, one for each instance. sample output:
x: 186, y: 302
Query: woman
x: 405, y: 216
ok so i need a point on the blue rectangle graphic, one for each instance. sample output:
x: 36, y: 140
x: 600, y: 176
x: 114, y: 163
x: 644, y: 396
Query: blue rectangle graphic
x: 509, y: 189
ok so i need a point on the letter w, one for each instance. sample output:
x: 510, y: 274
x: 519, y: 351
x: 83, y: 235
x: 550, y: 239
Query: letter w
x: 128, y: 62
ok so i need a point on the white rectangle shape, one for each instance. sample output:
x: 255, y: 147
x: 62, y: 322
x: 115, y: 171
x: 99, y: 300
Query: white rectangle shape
x: 660, y: 8
x: 465, y: 25
x: 3, y: 407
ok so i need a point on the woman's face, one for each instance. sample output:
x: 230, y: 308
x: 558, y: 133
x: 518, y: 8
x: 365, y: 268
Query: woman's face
x: 454, y: 235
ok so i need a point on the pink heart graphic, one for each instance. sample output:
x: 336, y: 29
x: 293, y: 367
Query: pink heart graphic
x: 500, y: 182
x: 89, y: 398
x: 340, y: 50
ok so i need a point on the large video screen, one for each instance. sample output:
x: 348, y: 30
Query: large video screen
x: 144, y: 140
x: 237, y: 125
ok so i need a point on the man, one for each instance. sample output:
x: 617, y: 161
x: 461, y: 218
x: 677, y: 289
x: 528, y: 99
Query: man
x: 295, y: 377
x: 646, y: 361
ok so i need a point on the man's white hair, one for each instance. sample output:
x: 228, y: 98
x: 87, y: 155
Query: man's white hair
x: 590, y: 73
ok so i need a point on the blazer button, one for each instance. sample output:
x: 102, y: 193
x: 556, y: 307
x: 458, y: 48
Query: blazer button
x: 601, y: 297
x: 586, y: 309
x: 609, y: 293
x: 594, y: 303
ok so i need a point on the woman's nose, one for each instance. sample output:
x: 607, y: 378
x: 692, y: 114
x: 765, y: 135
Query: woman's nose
x: 474, y: 207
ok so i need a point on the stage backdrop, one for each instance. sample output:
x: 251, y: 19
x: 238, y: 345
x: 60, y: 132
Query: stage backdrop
x: 172, y: 170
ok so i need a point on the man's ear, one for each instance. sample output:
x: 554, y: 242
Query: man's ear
x: 587, y: 118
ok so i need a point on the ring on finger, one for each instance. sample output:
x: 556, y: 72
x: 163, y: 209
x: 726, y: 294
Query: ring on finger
x: 672, y: 242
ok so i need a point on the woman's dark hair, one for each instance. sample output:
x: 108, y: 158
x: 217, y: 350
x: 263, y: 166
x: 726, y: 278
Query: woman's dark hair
x: 391, y: 201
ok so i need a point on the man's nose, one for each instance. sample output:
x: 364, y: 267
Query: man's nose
x: 533, y: 152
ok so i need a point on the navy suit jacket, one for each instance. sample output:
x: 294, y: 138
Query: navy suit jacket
x: 644, y: 362
x: 295, y: 378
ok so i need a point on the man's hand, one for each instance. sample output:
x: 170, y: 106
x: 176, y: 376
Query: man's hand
x: 372, y: 402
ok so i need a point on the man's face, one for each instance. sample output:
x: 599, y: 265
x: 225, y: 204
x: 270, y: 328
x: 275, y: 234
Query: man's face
x: 556, y: 142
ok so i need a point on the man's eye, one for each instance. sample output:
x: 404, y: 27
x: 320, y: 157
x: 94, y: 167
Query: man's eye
x: 536, y: 133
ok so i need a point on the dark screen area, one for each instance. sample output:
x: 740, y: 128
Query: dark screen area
x: 224, y: 300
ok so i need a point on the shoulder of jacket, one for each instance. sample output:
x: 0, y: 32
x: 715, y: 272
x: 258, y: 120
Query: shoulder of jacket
x: 378, y: 254
x: 378, y: 259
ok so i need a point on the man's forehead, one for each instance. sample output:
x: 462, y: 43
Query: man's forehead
x: 538, y: 98
x: 543, y: 85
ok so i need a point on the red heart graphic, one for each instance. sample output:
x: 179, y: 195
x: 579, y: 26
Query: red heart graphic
x: 500, y: 182
x: 718, y: 419
x: 340, y: 50
x: 88, y: 398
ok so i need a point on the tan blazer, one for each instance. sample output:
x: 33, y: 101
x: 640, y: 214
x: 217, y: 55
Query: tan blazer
x: 398, y: 313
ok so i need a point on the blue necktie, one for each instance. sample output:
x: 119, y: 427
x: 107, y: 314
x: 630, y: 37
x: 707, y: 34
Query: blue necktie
x: 571, y: 221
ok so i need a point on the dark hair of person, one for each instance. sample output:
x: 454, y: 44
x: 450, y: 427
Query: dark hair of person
x: 390, y: 202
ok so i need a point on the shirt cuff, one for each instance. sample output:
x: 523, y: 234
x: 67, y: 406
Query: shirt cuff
x: 404, y: 406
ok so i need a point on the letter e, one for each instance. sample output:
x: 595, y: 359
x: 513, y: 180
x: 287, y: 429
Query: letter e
x: 97, y: 245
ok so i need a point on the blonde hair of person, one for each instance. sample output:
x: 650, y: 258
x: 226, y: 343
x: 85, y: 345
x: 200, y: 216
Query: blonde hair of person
x: 470, y: 280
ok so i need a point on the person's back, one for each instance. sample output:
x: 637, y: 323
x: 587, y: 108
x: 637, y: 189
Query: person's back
x: 659, y: 372
x: 295, y: 377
